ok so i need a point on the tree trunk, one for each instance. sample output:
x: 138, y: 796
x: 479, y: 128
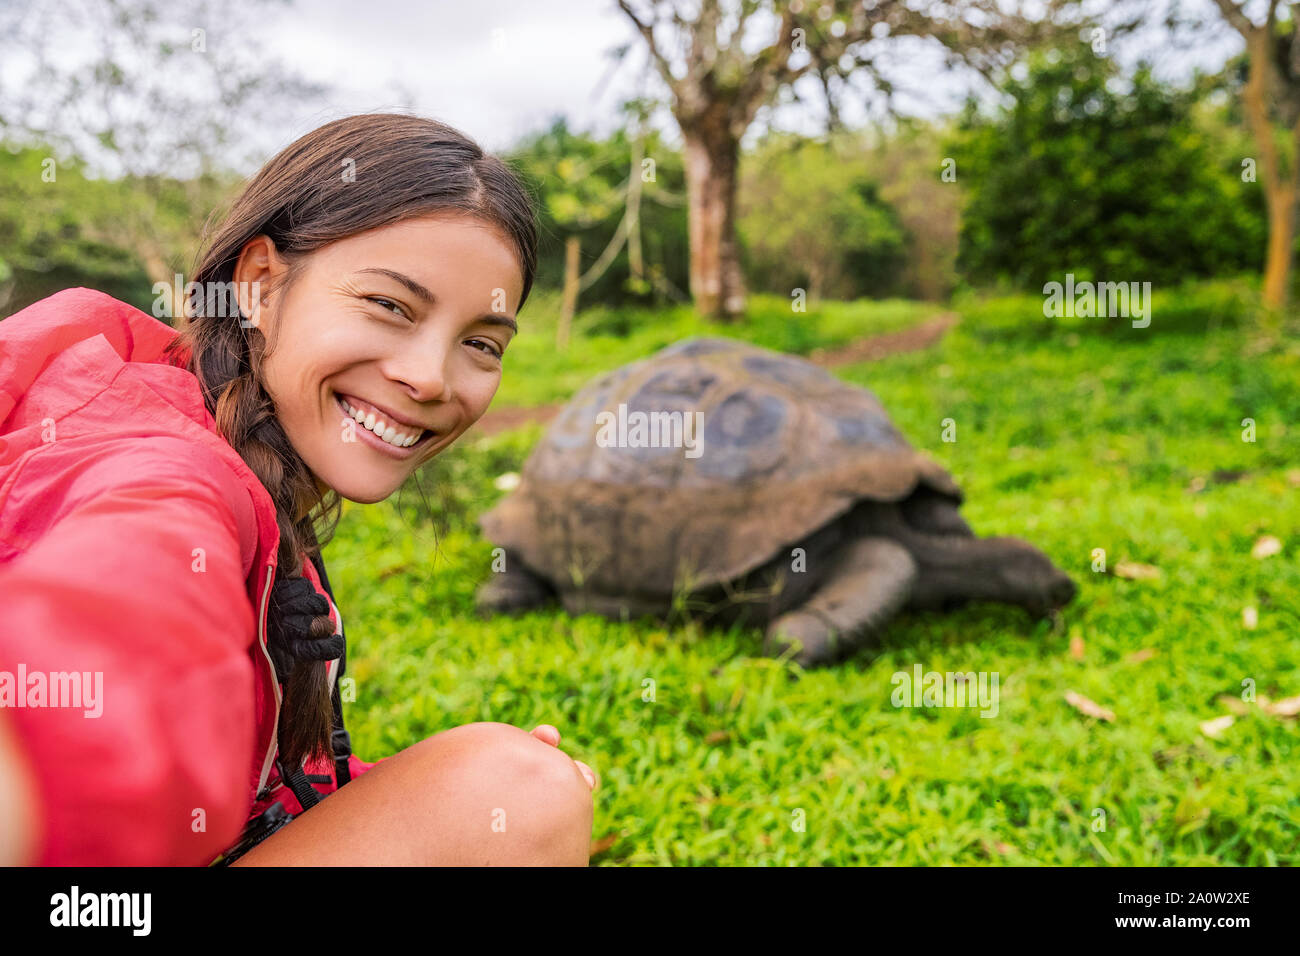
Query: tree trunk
x: 816, y: 279
x: 1281, y: 239
x: 711, y: 165
x: 1278, y: 171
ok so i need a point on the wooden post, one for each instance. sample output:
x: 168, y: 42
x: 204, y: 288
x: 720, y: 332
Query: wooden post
x: 569, y: 304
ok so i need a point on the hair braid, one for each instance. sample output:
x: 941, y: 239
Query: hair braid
x: 228, y: 364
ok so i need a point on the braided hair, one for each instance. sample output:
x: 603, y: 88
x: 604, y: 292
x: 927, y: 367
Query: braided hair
x: 399, y: 166
x: 226, y: 359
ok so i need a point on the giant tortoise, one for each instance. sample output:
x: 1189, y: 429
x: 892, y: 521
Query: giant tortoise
x: 798, y: 507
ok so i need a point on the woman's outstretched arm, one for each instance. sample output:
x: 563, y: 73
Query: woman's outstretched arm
x: 128, y: 626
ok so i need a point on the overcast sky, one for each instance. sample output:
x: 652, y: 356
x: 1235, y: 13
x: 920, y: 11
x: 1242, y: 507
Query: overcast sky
x: 499, y: 69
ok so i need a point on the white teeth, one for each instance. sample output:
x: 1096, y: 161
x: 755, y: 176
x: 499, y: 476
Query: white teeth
x: 381, y: 430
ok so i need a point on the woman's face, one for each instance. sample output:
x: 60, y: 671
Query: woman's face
x: 397, y: 331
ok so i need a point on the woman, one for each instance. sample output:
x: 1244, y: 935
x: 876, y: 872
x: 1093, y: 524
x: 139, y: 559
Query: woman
x: 162, y: 500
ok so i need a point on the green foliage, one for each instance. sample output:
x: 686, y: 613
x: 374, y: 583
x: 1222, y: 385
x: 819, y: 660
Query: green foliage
x: 1108, y: 179
x: 909, y: 165
x: 46, y: 240
x: 580, y: 183
x: 1075, y: 437
x: 607, y: 337
x: 810, y: 217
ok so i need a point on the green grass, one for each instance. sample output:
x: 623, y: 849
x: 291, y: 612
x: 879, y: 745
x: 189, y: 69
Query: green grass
x: 1077, y: 436
x: 535, y: 372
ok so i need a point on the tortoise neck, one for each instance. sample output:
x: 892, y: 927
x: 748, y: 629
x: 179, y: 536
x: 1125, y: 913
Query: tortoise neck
x: 950, y: 567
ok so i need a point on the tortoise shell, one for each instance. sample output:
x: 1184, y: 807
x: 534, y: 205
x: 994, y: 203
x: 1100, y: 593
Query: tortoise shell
x: 783, y: 448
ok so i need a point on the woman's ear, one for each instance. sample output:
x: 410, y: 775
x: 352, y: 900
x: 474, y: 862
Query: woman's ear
x: 258, y: 269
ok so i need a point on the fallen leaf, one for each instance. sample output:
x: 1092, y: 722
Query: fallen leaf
x: 1293, y: 476
x: 1004, y: 848
x: 1196, y: 484
x: 1215, y: 728
x: 1266, y: 547
x: 1283, y: 708
x: 1137, y: 657
x: 717, y: 737
x: 1236, y: 704
x: 1134, y: 571
x: 1087, y: 707
x: 1250, y: 617
x: 1076, y: 648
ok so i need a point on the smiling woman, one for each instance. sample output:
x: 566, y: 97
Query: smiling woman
x: 377, y: 346
x: 376, y: 267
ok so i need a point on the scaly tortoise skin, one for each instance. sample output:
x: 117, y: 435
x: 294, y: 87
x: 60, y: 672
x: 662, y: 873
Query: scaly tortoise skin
x: 806, y: 510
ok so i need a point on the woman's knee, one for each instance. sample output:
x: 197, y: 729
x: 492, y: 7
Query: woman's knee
x: 523, y: 790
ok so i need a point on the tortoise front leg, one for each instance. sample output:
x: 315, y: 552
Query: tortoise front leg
x: 869, y: 580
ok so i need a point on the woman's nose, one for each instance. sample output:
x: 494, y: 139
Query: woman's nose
x: 425, y: 371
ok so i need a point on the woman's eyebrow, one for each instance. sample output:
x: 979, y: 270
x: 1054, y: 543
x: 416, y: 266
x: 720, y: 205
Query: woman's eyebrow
x: 416, y: 289
x: 421, y: 292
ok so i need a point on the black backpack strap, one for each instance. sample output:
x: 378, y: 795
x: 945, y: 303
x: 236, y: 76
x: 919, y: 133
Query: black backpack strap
x: 297, y: 781
x: 340, y: 740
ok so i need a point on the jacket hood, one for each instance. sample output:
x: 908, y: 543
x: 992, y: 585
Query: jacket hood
x: 92, y: 338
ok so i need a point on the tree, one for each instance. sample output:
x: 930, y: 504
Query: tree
x: 1271, y: 98
x: 810, y: 218
x: 44, y: 246
x: 620, y: 198
x: 164, y: 103
x: 1110, y: 180
x: 721, y: 87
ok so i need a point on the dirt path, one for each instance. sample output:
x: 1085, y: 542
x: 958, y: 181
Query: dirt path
x: 870, y: 349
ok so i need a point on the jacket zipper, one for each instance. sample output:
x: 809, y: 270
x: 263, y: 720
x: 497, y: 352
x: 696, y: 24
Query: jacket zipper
x: 275, y: 682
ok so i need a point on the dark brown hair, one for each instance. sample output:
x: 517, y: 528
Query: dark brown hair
x: 346, y: 177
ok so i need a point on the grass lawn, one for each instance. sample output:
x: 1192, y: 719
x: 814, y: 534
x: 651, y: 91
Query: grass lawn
x: 1076, y: 434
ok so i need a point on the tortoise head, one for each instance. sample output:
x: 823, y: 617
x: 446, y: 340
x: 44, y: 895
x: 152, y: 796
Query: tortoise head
x: 1028, y: 577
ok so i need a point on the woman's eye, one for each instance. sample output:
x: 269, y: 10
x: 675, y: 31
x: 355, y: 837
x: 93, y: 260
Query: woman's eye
x: 386, y: 303
x: 491, y: 349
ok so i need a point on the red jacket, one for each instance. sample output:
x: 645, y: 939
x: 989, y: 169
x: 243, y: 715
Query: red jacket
x: 137, y: 550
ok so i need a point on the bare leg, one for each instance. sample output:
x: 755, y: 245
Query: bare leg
x: 512, y: 590
x: 869, y: 580
x: 480, y: 794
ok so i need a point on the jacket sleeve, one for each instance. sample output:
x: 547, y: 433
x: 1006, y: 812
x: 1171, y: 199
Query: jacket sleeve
x: 138, y: 588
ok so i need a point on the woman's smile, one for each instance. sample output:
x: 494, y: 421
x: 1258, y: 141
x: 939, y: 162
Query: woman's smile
x: 388, y: 432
